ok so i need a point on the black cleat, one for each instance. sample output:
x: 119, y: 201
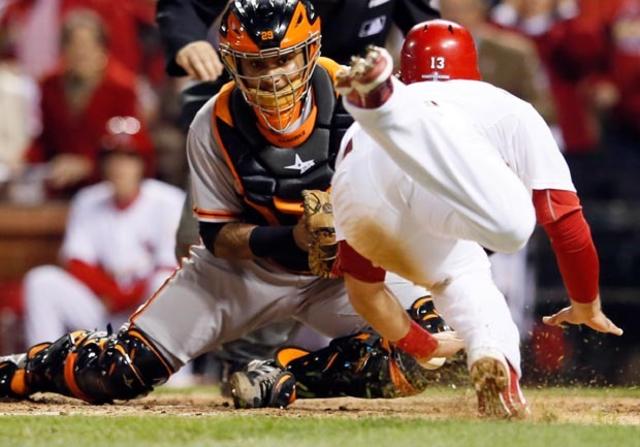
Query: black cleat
x: 262, y: 384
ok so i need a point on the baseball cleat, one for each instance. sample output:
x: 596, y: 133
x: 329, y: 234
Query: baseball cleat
x: 367, y: 81
x: 498, y: 389
x: 262, y: 384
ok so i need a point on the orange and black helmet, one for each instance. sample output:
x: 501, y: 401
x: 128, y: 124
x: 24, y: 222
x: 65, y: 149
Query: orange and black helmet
x: 263, y: 29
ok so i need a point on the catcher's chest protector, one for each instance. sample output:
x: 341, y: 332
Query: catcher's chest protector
x: 271, y: 175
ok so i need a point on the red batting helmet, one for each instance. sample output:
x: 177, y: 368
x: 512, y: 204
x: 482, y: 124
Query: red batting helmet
x: 124, y: 134
x: 438, y: 50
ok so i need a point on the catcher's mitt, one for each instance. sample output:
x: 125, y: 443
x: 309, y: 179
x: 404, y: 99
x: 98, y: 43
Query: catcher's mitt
x: 323, y: 248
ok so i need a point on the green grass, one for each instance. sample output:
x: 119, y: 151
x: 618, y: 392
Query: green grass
x: 633, y: 392
x: 265, y: 431
x: 341, y: 429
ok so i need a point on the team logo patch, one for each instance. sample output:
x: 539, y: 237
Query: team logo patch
x: 302, y: 166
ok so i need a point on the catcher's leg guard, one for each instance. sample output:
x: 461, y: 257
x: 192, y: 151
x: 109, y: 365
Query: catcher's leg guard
x: 94, y: 366
x: 363, y: 365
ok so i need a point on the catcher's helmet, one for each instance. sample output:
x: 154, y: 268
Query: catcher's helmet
x: 438, y: 50
x: 260, y: 30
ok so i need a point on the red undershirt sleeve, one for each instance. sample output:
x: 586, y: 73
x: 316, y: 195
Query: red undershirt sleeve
x: 350, y: 261
x: 104, y: 286
x: 560, y: 214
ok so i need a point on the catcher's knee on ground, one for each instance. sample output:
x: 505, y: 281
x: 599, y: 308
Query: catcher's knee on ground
x: 94, y: 366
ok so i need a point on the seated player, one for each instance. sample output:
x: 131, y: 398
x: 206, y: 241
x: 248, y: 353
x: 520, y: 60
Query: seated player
x: 111, y: 258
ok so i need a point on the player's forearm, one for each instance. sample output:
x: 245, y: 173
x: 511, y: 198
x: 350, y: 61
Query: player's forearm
x: 576, y: 256
x: 381, y: 310
x: 387, y: 316
x: 232, y: 241
x: 101, y: 283
x: 247, y: 241
x: 278, y: 244
x: 560, y: 214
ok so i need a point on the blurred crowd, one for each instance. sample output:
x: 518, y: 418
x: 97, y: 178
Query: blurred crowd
x: 74, y: 73
x: 68, y: 66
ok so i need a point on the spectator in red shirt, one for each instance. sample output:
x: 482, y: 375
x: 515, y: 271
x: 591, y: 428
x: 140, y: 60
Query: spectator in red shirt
x: 122, y: 22
x: 34, y: 26
x: 620, y: 88
x: 569, y: 41
x: 77, y: 101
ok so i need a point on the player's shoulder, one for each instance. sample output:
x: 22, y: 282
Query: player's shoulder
x: 504, y: 100
x: 203, y: 118
x: 492, y: 92
x: 355, y: 139
x: 466, y: 91
x: 458, y: 88
x: 93, y: 196
x: 201, y: 127
x: 331, y: 66
x: 162, y: 192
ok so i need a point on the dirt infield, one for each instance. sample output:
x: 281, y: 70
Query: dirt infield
x: 555, y: 406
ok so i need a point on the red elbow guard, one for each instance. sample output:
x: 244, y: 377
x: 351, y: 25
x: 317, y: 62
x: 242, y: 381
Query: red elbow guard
x: 351, y: 262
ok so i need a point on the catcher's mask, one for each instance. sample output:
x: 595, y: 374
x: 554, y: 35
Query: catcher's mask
x: 438, y: 50
x: 280, y: 40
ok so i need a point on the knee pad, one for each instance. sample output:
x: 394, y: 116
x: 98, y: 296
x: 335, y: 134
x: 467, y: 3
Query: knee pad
x: 96, y: 366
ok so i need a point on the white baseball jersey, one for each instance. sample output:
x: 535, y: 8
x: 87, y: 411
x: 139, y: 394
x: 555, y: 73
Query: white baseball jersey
x: 511, y: 125
x: 130, y: 243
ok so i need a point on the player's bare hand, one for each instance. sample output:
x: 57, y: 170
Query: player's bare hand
x: 200, y: 60
x: 301, y: 235
x: 589, y: 314
x: 69, y: 169
x: 449, y: 344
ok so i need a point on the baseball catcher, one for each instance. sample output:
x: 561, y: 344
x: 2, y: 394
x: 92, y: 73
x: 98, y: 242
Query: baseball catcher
x: 270, y: 133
